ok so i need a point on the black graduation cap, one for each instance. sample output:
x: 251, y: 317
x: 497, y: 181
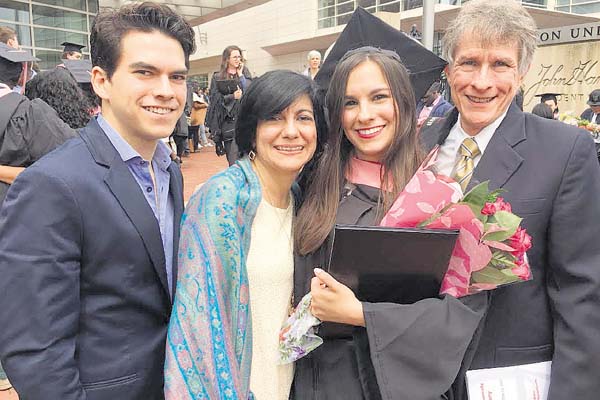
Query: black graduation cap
x: 365, y: 29
x: 16, y: 55
x: 72, y: 47
x: 548, y: 96
x: 80, y: 69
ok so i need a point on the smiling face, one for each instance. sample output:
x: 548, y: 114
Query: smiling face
x: 484, y: 81
x: 146, y: 94
x: 369, y: 115
x: 287, y: 141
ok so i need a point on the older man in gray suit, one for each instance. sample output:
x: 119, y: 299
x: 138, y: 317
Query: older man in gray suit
x: 551, y: 177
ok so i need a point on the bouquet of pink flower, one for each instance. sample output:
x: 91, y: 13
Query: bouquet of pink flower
x: 491, y: 246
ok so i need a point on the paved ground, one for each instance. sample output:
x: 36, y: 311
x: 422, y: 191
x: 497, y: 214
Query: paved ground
x: 198, y: 167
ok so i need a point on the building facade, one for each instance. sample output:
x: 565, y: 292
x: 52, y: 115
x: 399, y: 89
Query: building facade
x: 42, y: 25
x: 280, y: 33
x: 272, y: 33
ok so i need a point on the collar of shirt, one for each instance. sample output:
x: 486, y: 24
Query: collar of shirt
x: 448, y: 153
x: 162, y: 154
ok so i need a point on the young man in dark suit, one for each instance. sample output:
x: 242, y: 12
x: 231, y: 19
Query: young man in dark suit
x: 551, y: 178
x: 88, y: 256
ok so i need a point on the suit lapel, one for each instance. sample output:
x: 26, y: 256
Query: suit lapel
x: 500, y: 160
x: 126, y: 190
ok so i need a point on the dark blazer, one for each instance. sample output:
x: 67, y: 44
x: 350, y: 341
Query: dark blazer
x: 587, y: 114
x: 552, y: 180
x: 83, y: 287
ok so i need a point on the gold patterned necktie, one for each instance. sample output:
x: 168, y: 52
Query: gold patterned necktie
x: 465, y: 165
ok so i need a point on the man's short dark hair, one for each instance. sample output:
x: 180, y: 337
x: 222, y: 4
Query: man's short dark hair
x: 7, y: 34
x: 10, y: 72
x: 111, y: 26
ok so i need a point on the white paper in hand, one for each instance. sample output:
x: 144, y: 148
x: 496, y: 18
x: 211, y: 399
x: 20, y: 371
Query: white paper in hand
x: 521, y: 382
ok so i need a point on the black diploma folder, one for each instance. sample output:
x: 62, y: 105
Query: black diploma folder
x: 393, y: 265
x: 227, y: 86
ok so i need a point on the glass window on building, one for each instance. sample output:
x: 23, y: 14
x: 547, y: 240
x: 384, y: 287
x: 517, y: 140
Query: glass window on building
x: 55, y: 17
x: 48, y: 58
x: 200, y: 81
x: 535, y: 3
x: 23, y: 33
x: 93, y: 6
x: 74, y: 4
x: 52, y: 38
x: 43, y: 25
x: 338, y: 12
x: 389, y: 6
x: 14, y: 11
x: 578, y: 6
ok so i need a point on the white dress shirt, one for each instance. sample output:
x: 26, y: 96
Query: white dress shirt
x: 448, y: 153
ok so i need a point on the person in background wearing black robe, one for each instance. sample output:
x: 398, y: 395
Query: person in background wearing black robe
x: 28, y: 129
x: 223, y: 109
x: 384, y: 350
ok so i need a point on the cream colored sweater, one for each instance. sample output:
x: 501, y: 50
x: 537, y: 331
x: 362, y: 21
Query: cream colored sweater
x: 270, y: 267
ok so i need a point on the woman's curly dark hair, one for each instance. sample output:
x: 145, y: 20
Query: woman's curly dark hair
x: 58, y: 88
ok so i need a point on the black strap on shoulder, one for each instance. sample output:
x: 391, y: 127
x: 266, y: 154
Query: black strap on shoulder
x: 8, y: 104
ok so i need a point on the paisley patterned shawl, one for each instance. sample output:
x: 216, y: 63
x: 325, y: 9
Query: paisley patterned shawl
x: 209, y: 342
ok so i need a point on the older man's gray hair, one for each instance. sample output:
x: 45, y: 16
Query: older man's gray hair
x: 313, y: 53
x: 493, y: 22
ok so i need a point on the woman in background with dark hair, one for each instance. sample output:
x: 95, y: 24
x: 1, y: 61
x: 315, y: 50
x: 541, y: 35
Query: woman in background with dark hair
x: 543, y: 110
x: 224, y: 107
x: 58, y: 88
x: 384, y: 350
x: 236, y: 263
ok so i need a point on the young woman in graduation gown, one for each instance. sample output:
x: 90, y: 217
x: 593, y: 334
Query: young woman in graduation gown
x: 384, y: 350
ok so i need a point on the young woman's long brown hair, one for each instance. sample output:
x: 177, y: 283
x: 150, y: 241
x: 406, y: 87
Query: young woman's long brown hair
x: 225, y: 60
x: 317, y: 215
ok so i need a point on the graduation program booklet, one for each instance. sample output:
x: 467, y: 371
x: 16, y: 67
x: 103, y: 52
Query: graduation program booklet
x: 382, y: 264
x: 521, y: 382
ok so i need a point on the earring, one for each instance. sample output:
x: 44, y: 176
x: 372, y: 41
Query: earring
x: 251, y: 155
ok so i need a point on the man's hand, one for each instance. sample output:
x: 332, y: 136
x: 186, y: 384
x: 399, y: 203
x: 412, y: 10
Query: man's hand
x: 333, y: 301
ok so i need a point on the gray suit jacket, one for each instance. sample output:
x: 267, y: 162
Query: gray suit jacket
x: 85, y: 301
x: 552, y: 180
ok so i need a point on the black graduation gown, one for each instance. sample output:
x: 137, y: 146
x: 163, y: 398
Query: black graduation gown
x: 28, y: 130
x: 406, y: 352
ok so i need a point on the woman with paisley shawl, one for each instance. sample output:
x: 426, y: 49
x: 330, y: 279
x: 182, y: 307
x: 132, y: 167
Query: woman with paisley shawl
x: 235, y: 277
